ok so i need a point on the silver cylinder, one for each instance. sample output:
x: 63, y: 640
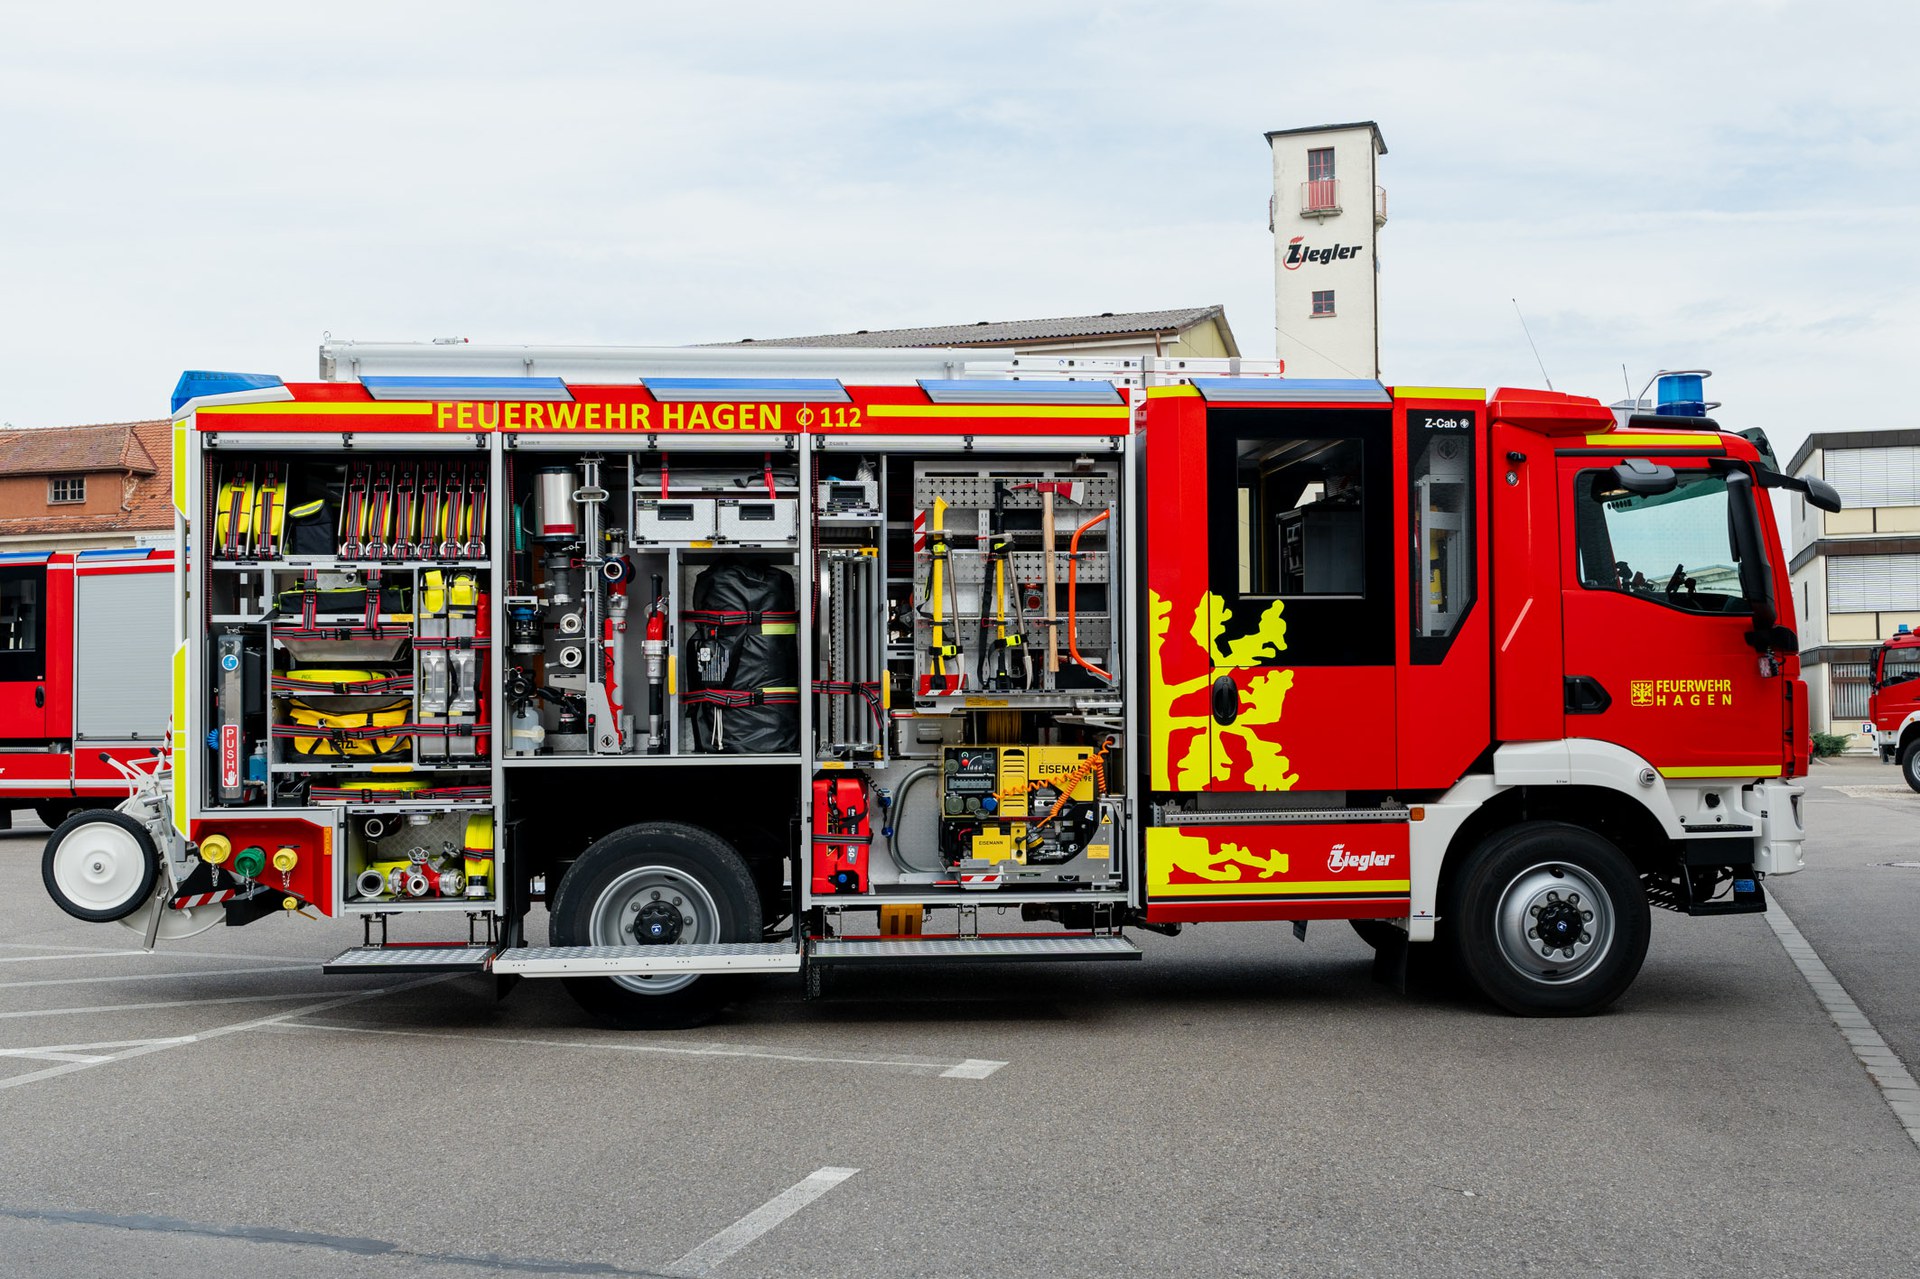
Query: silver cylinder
x: 554, y: 516
x: 371, y: 883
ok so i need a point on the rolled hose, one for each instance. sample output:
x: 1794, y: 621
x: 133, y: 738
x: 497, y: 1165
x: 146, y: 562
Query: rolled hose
x: 899, y: 811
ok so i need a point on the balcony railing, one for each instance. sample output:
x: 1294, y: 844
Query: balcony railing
x: 1320, y: 198
x: 1379, y: 206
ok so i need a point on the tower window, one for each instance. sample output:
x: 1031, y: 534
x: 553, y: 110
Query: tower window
x: 1320, y: 164
x: 1323, y: 301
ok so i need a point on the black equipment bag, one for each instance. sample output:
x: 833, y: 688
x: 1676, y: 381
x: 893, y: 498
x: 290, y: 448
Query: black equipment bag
x: 743, y: 660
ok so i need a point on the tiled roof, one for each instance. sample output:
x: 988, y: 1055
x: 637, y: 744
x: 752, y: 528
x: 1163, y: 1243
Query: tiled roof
x: 1114, y: 324
x: 68, y: 450
x: 142, y: 450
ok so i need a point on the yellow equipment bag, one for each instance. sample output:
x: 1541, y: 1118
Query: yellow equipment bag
x: 354, y: 734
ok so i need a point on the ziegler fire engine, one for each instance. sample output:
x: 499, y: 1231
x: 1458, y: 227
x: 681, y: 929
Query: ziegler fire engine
x: 775, y: 661
x: 84, y: 638
x: 1893, y: 708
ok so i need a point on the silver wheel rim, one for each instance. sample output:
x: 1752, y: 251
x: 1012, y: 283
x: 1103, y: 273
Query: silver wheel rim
x: 620, y: 903
x: 99, y: 866
x: 1562, y: 895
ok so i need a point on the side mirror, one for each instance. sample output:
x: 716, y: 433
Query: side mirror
x: 1645, y: 479
x: 1821, y: 494
x: 1756, y: 575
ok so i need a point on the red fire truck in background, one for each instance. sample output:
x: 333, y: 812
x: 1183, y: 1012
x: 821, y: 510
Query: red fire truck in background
x: 85, y: 638
x: 753, y: 662
x: 1893, y: 708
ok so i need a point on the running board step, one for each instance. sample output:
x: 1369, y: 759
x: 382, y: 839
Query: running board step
x: 950, y: 950
x: 648, y: 961
x: 410, y: 959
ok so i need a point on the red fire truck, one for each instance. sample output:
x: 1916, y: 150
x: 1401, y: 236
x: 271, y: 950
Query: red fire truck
x: 779, y: 661
x: 84, y: 639
x: 1893, y: 708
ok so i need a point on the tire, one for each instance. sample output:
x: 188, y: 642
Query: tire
x: 694, y: 888
x: 52, y: 812
x: 100, y: 865
x: 1910, y: 763
x: 1536, y: 871
x: 1376, y: 932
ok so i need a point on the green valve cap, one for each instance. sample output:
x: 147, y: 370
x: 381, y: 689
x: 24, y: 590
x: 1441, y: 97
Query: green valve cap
x: 250, y: 861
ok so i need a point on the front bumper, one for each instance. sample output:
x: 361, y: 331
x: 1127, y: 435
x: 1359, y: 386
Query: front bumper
x: 1777, y: 851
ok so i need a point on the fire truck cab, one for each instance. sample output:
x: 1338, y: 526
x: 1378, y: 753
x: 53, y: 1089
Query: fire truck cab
x: 1893, y: 708
x: 778, y: 661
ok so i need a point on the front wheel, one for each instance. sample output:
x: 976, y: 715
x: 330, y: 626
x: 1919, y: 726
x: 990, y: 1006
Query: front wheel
x: 1549, y: 920
x: 1910, y: 763
x: 656, y: 884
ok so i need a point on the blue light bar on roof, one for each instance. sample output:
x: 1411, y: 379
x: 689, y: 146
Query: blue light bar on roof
x: 759, y: 390
x: 996, y: 391
x: 195, y: 383
x: 25, y: 557
x: 116, y: 553
x: 466, y: 388
x: 1292, y: 390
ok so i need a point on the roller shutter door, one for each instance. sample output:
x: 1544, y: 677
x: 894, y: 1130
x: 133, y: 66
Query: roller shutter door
x: 123, y: 654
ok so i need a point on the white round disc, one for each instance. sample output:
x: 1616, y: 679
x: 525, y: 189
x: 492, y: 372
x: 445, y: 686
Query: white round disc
x: 99, y: 866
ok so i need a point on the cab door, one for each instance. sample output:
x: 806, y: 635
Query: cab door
x: 1655, y: 625
x: 1302, y: 596
x: 23, y: 650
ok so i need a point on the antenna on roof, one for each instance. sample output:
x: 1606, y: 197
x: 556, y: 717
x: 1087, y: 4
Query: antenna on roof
x: 1536, y: 350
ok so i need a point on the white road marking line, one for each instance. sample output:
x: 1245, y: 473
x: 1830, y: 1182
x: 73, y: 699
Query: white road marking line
x: 704, y: 1258
x: 86, y: 1052
x: 159, y: 1003
x: 165, y: 953
x: 972, y: 1068
x: 1896, y: 1085
x: 41, y: 959
x: 82, y: 981
x: 52, y: 1072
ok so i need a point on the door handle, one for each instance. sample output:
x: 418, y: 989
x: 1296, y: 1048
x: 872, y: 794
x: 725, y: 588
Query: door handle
x: 1586, y: 696
x: 1226, y: 700
x: 40, y: 696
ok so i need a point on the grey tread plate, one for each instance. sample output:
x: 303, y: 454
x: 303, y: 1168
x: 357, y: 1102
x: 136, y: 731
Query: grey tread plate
x: 713, y: 957
x: 894, y: 950
x: 410, y: 959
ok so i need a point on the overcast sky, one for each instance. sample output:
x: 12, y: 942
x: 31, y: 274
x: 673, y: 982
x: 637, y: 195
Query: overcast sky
x: 188, y: 185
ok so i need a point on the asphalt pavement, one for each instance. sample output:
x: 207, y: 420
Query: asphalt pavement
x: 1238, y: 1103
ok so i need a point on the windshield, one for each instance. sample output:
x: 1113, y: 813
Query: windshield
x: 1898, y: 665
x: 1675, y: 549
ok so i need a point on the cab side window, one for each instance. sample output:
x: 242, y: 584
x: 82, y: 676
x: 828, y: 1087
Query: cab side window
x: 1440, y: 480
x: 1300, y: 513
x: 23, y: 623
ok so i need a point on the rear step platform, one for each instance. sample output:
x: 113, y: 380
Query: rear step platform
x: 410, y: 959
x: 951, y: 950
x: 642, y: 961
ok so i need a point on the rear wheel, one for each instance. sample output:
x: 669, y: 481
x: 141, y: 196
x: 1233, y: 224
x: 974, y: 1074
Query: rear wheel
x: 1549, y: 920
x: 52, y: 812
x: 656, y: 884
x: 100, y: 865
x: 1910, y: 763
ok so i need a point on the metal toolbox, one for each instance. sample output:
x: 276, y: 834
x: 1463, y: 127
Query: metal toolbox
x: 676, y: 520
x: 759, y: 520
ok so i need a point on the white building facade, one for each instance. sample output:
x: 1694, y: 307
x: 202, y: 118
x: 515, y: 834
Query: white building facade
x: 1327, y: 211
x: 1855, y: 572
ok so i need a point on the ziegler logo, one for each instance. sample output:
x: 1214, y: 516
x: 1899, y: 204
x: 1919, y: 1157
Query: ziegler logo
x: 1299, y: 252
x: 1341, y: 859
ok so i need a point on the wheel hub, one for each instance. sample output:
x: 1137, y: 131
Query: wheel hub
x: 1554, y: 923
x: 658, y: 923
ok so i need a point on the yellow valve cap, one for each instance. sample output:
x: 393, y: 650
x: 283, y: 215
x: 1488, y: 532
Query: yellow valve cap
x: 285, y: 858
x: 289, y: 903
x: 215, y: 849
